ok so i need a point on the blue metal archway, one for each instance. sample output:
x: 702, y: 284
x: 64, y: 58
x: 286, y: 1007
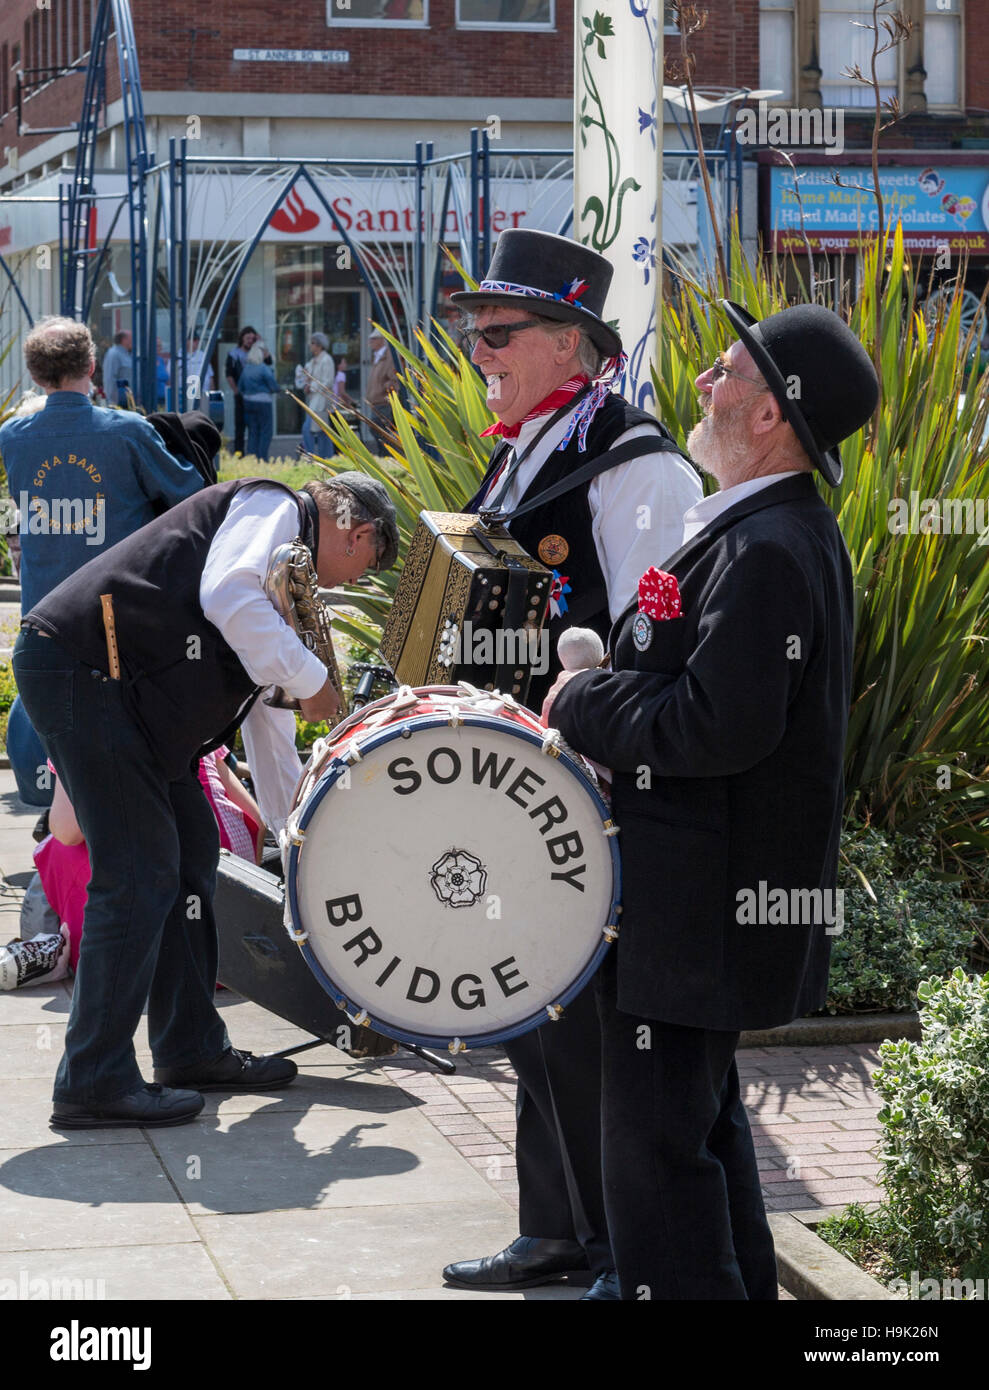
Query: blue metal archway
x: 80, y: 262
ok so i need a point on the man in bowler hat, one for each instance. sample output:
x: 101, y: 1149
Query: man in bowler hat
x: 536, y: 330
x: 723, y: 718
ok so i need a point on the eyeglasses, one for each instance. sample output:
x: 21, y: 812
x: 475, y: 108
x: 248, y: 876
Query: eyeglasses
x: 498, y: 334
x: 720, y: 368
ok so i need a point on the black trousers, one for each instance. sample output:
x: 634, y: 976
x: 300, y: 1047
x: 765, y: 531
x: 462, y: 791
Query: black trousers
x: 148, y: 932
x: 681, y: 1184
x: 558, y: 1149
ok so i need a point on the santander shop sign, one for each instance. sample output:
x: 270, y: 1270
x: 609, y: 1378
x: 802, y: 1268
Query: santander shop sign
x: 366, y: 209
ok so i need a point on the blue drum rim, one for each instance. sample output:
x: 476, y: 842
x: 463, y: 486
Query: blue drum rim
x: 329, y: 779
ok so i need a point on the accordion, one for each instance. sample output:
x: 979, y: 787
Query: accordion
x: 470, y: 606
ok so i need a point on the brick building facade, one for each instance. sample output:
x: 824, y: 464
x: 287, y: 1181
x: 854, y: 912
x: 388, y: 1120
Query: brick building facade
x: 379, y: 75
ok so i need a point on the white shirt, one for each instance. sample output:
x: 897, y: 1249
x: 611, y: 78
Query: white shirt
x: 636, y: 509
x: 704, y: 512
x: 232, y: 596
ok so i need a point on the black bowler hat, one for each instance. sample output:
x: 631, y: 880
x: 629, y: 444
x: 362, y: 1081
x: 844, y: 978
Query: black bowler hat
x: 549, y: 275
x: 809, y: 354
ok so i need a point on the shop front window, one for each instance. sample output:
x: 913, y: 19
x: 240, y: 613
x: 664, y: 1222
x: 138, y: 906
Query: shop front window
x: 395, y: 13
x: 307, y: 301
x: 498, y: 14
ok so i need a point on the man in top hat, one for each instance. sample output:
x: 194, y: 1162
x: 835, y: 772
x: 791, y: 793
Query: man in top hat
x: 537, y: 332
x: 723, y: 718
x: 126, y: 698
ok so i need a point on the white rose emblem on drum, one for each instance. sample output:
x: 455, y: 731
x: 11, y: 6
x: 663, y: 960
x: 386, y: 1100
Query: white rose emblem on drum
x: 458, y: 879
x: 453, y: 875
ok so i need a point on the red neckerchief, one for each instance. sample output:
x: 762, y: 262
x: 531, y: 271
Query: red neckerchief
x: 552, y: 402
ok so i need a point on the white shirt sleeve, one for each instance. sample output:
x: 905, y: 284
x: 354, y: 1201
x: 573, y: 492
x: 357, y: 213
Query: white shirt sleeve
x: 637, y: 516
x: 233, y: 599
x: 269, y: 742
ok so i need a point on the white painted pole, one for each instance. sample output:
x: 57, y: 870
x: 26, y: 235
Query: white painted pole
x: 618, y: 167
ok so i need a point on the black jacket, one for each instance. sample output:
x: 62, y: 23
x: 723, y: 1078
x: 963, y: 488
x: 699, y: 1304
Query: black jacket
x: 726, y: 735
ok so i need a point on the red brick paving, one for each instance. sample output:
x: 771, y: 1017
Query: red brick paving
x: 812, y: 1111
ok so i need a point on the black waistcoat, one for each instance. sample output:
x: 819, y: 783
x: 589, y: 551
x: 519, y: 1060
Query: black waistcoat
x: 569, y: 516
x: 184, y: 684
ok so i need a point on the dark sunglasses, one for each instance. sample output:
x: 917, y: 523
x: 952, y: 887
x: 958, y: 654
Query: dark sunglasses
x: 498, y: 334
x: 720, y: 368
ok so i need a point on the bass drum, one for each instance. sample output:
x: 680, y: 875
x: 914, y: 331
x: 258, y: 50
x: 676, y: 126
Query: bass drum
x: 452, y: 871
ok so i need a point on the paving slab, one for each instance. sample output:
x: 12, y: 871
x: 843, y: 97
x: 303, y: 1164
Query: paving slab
x: 32, y: 1049
x: 114, y: 1272
x: 351, y: 1086
x: 279, y: 1158
x: 61, y: 1197
x: 352, y: 1251
x: 41, y: 1003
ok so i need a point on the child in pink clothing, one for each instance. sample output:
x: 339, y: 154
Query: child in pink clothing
x: 62, y: 859
x: 236, y: 812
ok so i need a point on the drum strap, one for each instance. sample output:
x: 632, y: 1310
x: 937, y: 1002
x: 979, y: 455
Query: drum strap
x: 662, y: 442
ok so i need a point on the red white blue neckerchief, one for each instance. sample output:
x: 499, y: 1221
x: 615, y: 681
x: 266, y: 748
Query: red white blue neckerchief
x: 559, y: 585
x: 546, y: 406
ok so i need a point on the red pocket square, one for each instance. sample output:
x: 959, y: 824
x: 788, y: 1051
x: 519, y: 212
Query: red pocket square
x: 659, y: 594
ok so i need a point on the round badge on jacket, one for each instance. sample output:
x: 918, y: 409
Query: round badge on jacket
x: 642, y: 631
x: 553, y: 550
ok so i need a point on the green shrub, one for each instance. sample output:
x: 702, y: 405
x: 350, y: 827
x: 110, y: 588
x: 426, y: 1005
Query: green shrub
x: 935, y: 1150
x: 918, y: 734
x: 902, y: 923
x: 291, y: 472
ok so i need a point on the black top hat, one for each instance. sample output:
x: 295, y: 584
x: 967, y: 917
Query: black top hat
x: 818, y: 371
x: 549, y: 275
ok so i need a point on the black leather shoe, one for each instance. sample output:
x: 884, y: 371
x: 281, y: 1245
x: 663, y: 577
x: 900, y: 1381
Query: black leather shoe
x: 149, y: 1107
x: 232, y: 1071
x: 605, y: 1289
x: 528, y: 1261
